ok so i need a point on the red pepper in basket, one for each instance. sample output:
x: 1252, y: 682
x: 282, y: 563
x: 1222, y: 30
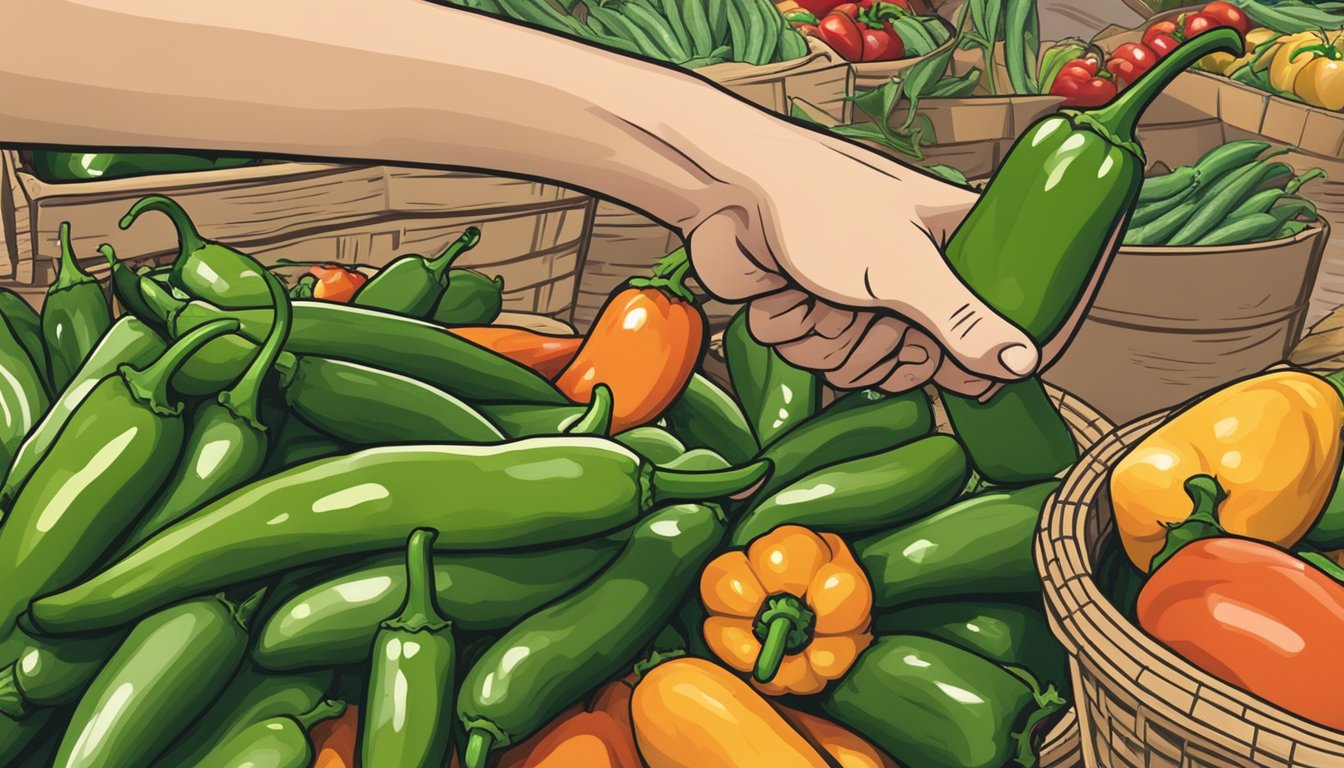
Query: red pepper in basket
x: 863, y: 31
x: 1162, y: 38
x: 1227, y: 15
x: 1130, y: 61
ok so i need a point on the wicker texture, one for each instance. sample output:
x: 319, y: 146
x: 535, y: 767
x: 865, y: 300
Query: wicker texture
x: 1138, y: 704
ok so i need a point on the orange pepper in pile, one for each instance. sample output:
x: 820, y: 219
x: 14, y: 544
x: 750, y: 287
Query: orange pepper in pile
x: 542, y: 352
x: 644, y: 345
x: 847, y: 748
x: 600, y: 737
x: 336, y: 283
x: 334, y: 740
x: 794, y: 609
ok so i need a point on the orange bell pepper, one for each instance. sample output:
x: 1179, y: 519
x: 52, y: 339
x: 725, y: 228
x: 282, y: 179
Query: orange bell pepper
x: 544, y: 353
x: 692, y: 712
x: 793, y: 609
x: 644, y: 345
x: 846, y: 747
x: 601, y: 737
x: 336, y: 283
x: 1271, y: 443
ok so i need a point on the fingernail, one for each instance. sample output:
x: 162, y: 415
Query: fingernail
x: 1019, y: 359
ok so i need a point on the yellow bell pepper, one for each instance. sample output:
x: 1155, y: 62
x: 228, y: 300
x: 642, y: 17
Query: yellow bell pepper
x: 1220, y: 63
x: 1306, y: 65
x: 1272, y: 444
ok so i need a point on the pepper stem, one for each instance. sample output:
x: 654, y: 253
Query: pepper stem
x: 1206, y: 495
x: 479, y: 743
x: 12, y: 701
x: 597, y: 419
x: 150, y: 385
x: 188, y: 238
x: 243, y: 400
x: 1048, y: 702
x: 670, y: 275
x: 784, y: 627
x: 325, y: 710
x: 438, y: 266
x: 1119, y: 118
x: 68, y: 273
x: 245, y: 609
x: 420, y: 611
x: 163, y: 306
x: 674, y: 485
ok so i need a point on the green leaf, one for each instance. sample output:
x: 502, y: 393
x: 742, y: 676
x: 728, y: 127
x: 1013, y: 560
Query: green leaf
x: 956, y: 87
x: 878, y: 103
x: 956, y: 177
x: 920, y: 78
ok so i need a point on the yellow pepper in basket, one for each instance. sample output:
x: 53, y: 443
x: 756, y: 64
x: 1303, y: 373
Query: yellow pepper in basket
x: 1220, y: 63
x: 1310, y: 65
x: 1272, y: 443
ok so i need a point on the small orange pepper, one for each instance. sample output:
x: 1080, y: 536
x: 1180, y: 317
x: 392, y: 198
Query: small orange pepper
x: 846, y: 747
x: 334, y: 740
x: 793, y: 609
x: 336, y: 283
x: 600, y: 737
x: 542, y: 352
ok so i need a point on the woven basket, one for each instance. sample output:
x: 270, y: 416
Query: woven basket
x: 1138, y: 703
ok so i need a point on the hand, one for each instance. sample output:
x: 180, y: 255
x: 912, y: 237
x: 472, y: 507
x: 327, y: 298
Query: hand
x: 838, y: 255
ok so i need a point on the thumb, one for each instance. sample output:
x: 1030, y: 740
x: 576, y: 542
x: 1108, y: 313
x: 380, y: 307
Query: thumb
x: 981, y: 341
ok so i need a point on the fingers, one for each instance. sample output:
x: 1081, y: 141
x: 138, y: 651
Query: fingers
x: 723, y: 266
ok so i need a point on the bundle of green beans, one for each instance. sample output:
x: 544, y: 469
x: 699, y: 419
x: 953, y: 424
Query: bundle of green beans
x: 1233, y: 195
x: 271, y: 508
x: 688, y: 33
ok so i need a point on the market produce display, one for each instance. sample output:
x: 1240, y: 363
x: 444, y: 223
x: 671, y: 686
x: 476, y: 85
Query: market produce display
x: 868, y: 30
x: 269, y: 473
x: 1225, y: 516
x: 1236, y: 193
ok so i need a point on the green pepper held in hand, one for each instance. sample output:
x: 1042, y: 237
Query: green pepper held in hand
x: 775, y: 395
x: 575, y: 487
x: 276, y: 742
x: 204, y: 269
x: 1042, y: 232
x: 411, y: 284
x: 471, y: 299
x: 168, y: 671
x: 112, y: 458
x: 75, y: 315
x: 407, y: 717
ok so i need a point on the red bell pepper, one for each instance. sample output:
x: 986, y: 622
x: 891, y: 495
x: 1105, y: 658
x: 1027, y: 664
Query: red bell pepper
x: 862, y: 31
x: 1081, y: 83
x: 1130, y: 61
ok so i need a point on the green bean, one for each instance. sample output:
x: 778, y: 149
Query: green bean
x: 1252, y: 228
x: 1163, y: 187
x: 657, y: 28
x: 1216, y: 206
x: 694, y: 17
x: 672, y: 14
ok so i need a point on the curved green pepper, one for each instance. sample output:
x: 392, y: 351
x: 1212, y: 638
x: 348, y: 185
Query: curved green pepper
x: 27, y: 327
x: 654, y: 444
x: 407, y: 717
x: 519, y: 420
x: 75, y: 315
x: 470, y: 299
x: 928, y: 703
x: 535, y: 492
x: 168, y: 671
x: 861, y: 495
x: 126, y: 288
x: 113, y: 456
x: 556, y: 655
x: 205, y: 269
x: 979, y: 546
x: 707, y: 417
x: 128, y: 343
x: 698, y: 460
x: 412, y: 284
x: 23, y: 393
x: 276, y: 742
x: 775, y: 395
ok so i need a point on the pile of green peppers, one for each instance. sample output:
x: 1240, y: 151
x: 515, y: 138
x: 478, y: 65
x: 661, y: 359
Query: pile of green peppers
x: 229, y: 513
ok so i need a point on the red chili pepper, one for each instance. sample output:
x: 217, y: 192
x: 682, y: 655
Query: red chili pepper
x: 1229, y: 14
x: 1199, y: 23
x: 1130, y: 61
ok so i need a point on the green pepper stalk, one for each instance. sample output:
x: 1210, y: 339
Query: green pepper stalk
x: 126, y: 286
x: 1042, y: 232
x: 74, y: 316
x: 276, y: 742
x: 205, y: 269
x: 412, y: 284
x: 470, y: 299
x: 112, y: 458
x: 169, y: 670
x: 303, y: 289
x: 597, y: 419
x: 783, y: 627
x: 407, y: 719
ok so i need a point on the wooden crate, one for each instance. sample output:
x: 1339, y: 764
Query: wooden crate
x: 533, y: 234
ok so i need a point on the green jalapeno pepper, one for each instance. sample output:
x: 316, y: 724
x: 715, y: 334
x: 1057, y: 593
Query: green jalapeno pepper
x: 74, y: 316
x: 830, y: 439
x: 775, y: 395
x: 412, y: 284
x: 866, y: 494
x: 979, y: 546
x: 57, y: 167
x: 929, y: 703
x: 1038, y: 236
x: 367, y: 406
x: 23, y: 393
x: 280, y: 741
x: 556, y: 655
x: 652, y: 443
x: 116, y: 451
x: 698, y: 460
x: 1008, y: 634
x: 27, y: 327
x: 470, y: 299
x: 251, y: 697
x: 204, y: 269
x: 168, y: 671
x: 129, y: 342
x: 855, y: 399
x: 707, y: 417
x: 407, y: 717
x: 126, y: 288
x: 48, y: 674
x: 333, y: 622
x: 534, y: 492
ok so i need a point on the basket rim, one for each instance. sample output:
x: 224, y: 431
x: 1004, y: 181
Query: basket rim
x: 1070, y: 593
